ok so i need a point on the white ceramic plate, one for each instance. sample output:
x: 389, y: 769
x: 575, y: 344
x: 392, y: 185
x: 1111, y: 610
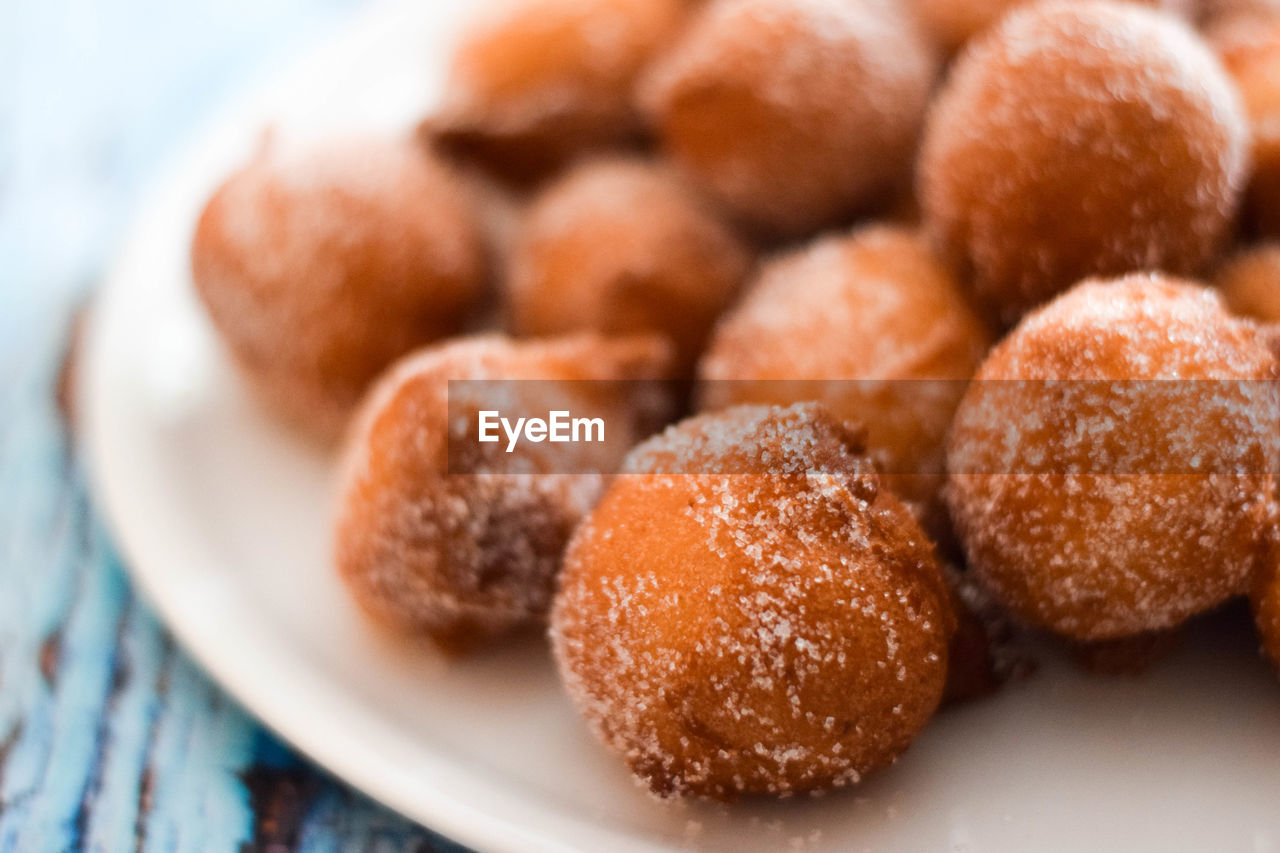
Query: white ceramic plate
x: 223, y: 520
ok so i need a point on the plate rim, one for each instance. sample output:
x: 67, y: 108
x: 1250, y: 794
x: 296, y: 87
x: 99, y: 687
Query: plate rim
x: 141, y: 547
x: 240, y: 669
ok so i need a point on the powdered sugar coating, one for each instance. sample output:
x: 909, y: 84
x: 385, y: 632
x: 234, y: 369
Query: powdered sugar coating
x: 462, y: 545
x: 321, y: 264
x: 621, y: 246
x: 875, y: 305
x: 535, y: 81
x: 793, y: 113
x: 777, y: 627
x: 1053, y: 534
x: 1077, y: 139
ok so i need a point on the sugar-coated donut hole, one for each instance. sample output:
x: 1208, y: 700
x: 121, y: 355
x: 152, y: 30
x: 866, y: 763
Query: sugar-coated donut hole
x: 620, y: 245
x: 460, y: 541
x: 535, y: 82
x: 737, y: 626
x: 1078, y: 139
x: 794, y: 114
x: 1067, y: 542
x: 320, y: 264
x: 877, y: 306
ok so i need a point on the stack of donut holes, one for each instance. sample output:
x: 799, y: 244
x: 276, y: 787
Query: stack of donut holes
x: 854, y: 284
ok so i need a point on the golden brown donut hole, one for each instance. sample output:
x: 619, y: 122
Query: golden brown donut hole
x: 875, y: 305
x: 1100, y: 509
x: 443, y: 537
x: 736, y: 626
x: 535, y: 82
x: 620, y: 246
x: 1079, y: 139
x: 321, y: 264
x: 794, y: 114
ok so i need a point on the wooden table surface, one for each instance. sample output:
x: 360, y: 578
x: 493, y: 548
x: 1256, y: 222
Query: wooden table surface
x: 110, y: 737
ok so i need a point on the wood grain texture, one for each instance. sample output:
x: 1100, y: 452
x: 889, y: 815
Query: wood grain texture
x: 110, y: 738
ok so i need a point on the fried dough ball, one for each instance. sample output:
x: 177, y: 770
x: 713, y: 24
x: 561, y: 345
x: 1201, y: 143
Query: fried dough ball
x: 951, y: 23
x: 621, y: 246
x: 876, y: 306
x: 321, y: 265
x: 793, y: 113
x: 536, y: 81
x: 440, y: 535
x: 1102, y: 509
x: 1249, y: 46
x: 747, y: 612
x: 1079, y: 139
x: 1250, y: 283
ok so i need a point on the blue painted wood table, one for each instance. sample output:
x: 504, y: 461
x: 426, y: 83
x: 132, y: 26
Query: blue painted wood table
x: 110, y: 738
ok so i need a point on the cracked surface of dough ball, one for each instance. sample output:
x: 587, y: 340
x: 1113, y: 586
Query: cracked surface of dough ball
x: 535, y: 82
x: 439, y: 535
x: 1098, y: 507
x: 747, y: 612
x: 1079, y: 139
x: 622, y: 246
x: 321, y: 264
x: 876, y: 305
x: 793, y: 114
x: 1250, y: 283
